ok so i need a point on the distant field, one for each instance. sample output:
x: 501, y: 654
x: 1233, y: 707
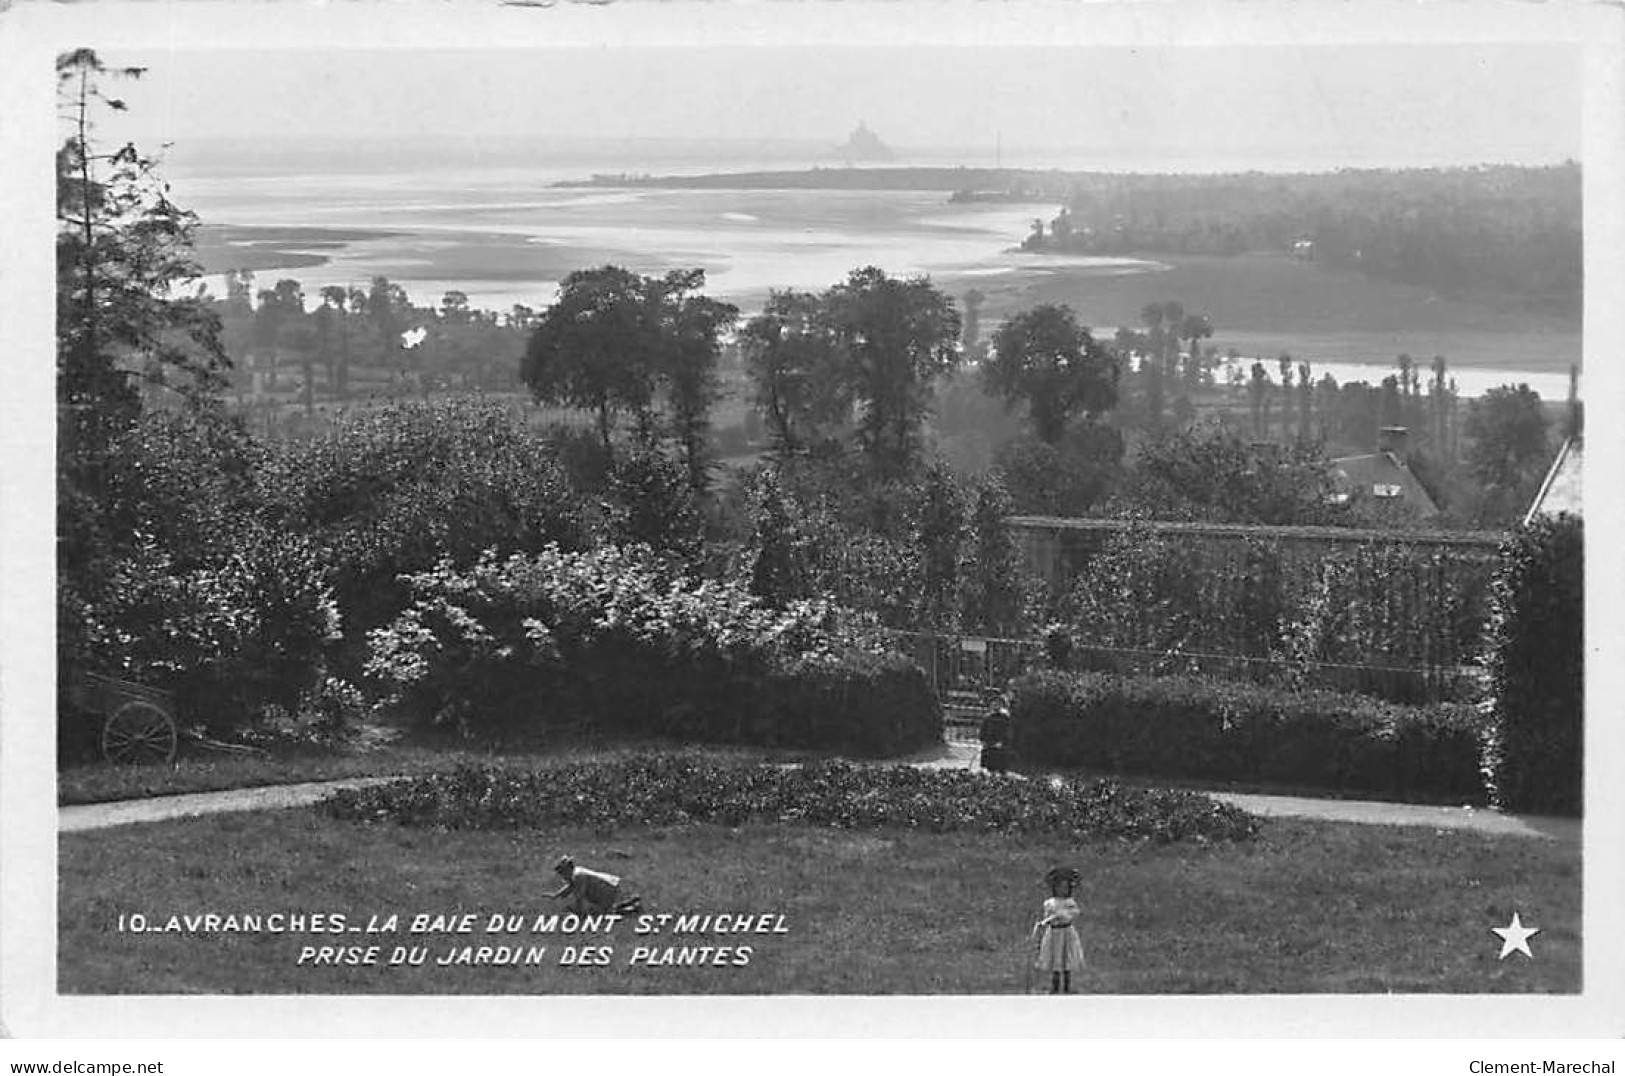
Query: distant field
x: 1266, y: 304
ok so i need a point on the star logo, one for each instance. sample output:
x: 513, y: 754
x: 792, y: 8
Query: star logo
x: 1515, y: 938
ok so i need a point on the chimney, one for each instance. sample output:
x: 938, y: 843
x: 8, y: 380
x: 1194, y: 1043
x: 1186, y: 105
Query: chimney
x: 1391, y: 439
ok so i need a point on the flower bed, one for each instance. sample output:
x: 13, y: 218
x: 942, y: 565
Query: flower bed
x: 666, y: 790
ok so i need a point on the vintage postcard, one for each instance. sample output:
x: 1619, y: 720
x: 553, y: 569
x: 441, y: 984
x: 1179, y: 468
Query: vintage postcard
x: 1074, y: 514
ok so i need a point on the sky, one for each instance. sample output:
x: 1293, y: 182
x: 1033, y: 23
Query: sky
x: 1398, y: 104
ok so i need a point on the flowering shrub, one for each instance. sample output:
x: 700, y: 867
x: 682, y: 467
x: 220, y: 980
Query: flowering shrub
x: 612, y: 638
x: 327, y: 714
x: 676, y: 789
x: 1214, y: 730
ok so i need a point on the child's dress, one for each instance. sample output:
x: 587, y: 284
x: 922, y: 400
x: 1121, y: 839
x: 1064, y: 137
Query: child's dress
x: 1060, y: 949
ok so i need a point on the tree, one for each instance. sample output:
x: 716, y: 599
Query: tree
x: 388, y: 307
x: 652, y: 504
x: 615, y: 341
x: 993, y: 591
x: 688, y: 328
x: 1506, y: 436
x: 123, y: 250
x: 1211, y: 473
x: 594, y: 348
x: 333, y: 338
x: 1068, y: 479
x: 123, y: 254
x: 1284, y: 361
x: 939, y: 534
x: 778, y: 571
x: 1043, y: 356
x: 1258, y: 399
x: 797, y: 369
x: 899, y: 336
x: 1195, y: 328
x: 1306, y: 390
x: 972, y: 334
x: 1440, y: 418
x: 1390, y: 409
x: 454, y: 308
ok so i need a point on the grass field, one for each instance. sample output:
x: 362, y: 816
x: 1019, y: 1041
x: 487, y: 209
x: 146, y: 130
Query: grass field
x: 1306, y: 908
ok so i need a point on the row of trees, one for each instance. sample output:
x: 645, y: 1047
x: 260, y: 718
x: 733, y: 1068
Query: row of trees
x: 370, y: 339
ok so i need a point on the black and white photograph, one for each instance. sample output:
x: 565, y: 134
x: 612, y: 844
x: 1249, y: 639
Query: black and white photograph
x: 1054, y: 505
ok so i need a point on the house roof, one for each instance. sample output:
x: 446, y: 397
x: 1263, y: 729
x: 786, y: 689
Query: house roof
x: 1560, y: 492
x: 1385, y: 478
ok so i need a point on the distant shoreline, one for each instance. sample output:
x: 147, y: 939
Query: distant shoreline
x: 836, y: 177
x: 980, y: 179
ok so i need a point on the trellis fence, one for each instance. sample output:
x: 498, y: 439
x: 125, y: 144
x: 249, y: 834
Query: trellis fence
x: 1398, y: 614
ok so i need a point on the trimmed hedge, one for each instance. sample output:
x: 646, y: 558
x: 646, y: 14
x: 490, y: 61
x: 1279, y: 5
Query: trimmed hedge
x: 871, y: 705
x: 682, y: 788
x: 1533, y: 759
x: 1181, y: 727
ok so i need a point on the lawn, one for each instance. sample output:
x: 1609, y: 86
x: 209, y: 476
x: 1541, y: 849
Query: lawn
x: 1305, y: 908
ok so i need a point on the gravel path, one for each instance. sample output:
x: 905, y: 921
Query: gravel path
x: 86, y: 816
x: 953, y: 755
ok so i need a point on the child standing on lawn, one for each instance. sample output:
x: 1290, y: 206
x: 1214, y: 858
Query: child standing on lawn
x: 1060, y: 950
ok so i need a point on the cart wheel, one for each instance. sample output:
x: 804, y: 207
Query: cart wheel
x: 139, y: 732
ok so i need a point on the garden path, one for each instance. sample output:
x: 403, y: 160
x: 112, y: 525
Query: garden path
x: 952, y: 755
x: 958, y: 755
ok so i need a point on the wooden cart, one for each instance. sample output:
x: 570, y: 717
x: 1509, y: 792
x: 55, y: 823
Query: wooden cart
x: 137, y: 722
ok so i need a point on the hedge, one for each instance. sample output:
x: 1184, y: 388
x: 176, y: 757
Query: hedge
x: 1533, y: 758
x: 1184, y: 727
x: 873, y: 705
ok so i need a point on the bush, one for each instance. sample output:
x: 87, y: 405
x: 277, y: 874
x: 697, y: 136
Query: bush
x: 613, y: 639
x: 1533, y: 758
x: 328, y: 714
x: 172, y: 578
x: 677, y: 789
x: 872, y: 705
x: 394, y: 490
x: 247, y: 630
x: 1183, y: 727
